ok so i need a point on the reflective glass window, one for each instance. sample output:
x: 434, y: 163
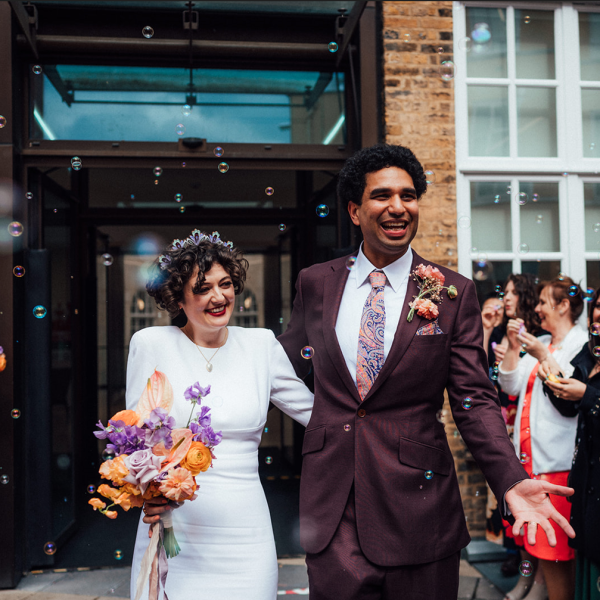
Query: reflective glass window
x: 536, y: 121
x: 487, y: 29
x: 538, y: 213
x: 589, y: 44
x: 488, y: 121
x: 490, y: 216
x: 591, y: 195
x: 534, y: 44
x: 590, y: 116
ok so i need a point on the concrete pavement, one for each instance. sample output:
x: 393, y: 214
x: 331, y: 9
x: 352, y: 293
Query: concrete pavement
x: 112, y: 583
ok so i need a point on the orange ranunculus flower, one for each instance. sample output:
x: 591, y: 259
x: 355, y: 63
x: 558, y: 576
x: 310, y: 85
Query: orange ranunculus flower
x: 129, y: 417
x: 97, y: 503
x: 178, y: 485
x: 111, y: 514
x: 108, y: 492
x: 2, y: 362
x: 198, y: 459
x: 114, y: 470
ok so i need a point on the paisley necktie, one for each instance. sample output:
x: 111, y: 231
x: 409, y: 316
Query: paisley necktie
x: 371, y: 336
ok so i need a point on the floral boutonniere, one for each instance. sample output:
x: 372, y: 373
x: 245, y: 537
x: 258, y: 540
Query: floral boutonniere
x: 430, y: 282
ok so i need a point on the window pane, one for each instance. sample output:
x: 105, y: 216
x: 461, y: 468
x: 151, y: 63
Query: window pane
x: 591, y: 196
x: 593, y: 274
x: 152, y: 104
x: 488, y: 276
x: 534, y: 31
x: 544, y: 270
x: 490, y: 216
x: 488, y: 121
x: 540, y: 229
x: 487, y: 29
x: 590, y: 116
x: 589, y: 40
x: 536, y: 121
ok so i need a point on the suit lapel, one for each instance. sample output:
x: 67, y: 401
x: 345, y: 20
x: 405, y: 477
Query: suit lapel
x: 334, y: 285
x: 404, y: 333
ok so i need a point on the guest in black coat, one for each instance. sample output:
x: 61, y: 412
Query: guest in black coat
x: 580, y: 395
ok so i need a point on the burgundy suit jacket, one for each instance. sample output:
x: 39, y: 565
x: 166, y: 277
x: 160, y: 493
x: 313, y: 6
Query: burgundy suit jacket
x: 385, y: 444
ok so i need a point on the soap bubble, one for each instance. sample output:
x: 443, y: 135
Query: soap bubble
x: 535, y: 197
x: 596, y: 351
x: 107, y: 259
x: 596, y: 227
x: 3, y: 121
x: 539, y: 219
x: 157, y: 171
x: 526, y: 568
x: 429, y: 177
x: 269, y: 191
x: 561, y: 276
x: 347, y: 428
x: 527, y: 20
x: 497, y: 199
x: 522, y: 198
x: 350, y: 262
x: 464, y: 222
x: 49, y: 548
x: 266, y: 430
x: 307, y: 352
x: 186, y: 110
x: 428, y: 474
x: 223, y: 167
x: 406, y: 38
x: 39, y: 311
x: 587, y: 294
x: 481, y: 33
x: 218, y: 151
x: 440, y: 49
x: 322, y: 210
x: 91, y: 489
x: 37, y: 69
x: 19, y: 271
x: 481, y: 270
x: 465, y: 44
x: 524, y: 458
x: 182, y: 209
x: 447, y: 70
x: 269, y: 460
x: 467, y: 403
x: 147, y: 32
x: 118, y: 554
x: 523, y: 248
x: 180, y: 129
x: 282, y: 227
x: 595, y: 328
x: 565, y: 174
x: 332, y: 47
x: 108, y: 454
x: 76, y: 163
x: 29, y: 196
x: 15, y: 413
x: 573, y: 291
x: 4, y: 479
x: 178, y: 197
x: 441, y: 415
x: 508, y: 189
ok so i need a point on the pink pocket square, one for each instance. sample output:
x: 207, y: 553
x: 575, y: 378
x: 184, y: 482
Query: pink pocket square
x: 432, y: 328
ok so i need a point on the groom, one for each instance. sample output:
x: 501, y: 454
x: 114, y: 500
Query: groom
x: 380, y: 511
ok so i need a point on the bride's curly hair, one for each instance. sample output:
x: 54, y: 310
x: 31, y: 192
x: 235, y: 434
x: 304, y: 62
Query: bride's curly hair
x: 173, y: 269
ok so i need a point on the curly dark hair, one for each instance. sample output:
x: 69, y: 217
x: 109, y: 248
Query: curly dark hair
x: 559, y: 290
x: 171, y: 271
x: 526, y: 289
x: 593, y: 338
x: 352, y: 178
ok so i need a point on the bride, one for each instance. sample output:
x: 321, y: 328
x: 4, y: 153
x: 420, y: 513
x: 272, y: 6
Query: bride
x: 225, y: 535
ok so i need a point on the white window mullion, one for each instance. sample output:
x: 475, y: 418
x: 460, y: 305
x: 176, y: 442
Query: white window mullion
x: 512, y: 89
x: 515, y: 220
x: 463, y: 234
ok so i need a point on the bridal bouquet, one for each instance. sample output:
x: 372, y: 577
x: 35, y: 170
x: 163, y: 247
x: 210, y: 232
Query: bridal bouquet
x: 151, y: 457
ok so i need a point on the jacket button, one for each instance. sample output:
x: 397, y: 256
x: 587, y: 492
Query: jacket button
x: 362, y: 412
x: 347, y: 428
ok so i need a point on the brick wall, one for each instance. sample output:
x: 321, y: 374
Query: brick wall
x: 419, y: 113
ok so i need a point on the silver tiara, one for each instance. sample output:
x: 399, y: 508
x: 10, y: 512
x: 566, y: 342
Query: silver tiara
x: 164, y: 260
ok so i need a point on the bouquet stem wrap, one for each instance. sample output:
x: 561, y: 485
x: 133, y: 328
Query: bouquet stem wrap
x: 169, y: 542
x: 154, y: 567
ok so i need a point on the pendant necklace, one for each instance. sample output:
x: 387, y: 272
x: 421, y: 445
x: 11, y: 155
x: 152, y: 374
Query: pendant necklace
x: 209, y: 366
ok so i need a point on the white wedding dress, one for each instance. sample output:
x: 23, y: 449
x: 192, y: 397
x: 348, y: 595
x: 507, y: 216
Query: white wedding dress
x: 226, y: 537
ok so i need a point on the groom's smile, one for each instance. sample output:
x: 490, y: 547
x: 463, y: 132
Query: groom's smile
x: 388, y: 215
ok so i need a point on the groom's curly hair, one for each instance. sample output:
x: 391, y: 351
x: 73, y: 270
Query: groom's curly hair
x: 352, y: 179
x: 166, y: 283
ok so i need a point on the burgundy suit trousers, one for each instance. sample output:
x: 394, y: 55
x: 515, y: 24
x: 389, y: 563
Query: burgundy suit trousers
x: 342, y: 572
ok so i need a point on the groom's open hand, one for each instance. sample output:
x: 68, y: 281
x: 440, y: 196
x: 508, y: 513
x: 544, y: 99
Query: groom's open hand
x: 529, y: 503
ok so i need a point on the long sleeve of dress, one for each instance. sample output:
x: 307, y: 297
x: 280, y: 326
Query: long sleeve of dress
x: 288, y: 391
x: 512, y: 382
x: 140, y: 366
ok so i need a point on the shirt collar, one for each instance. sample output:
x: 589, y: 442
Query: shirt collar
x: 397, y: 272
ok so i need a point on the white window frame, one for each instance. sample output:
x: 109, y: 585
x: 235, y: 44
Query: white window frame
x: 570, y: 169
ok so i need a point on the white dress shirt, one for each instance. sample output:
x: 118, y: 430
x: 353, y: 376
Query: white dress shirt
x: 356, y: 292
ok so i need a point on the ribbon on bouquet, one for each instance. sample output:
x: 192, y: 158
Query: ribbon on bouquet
x: 154, y: 567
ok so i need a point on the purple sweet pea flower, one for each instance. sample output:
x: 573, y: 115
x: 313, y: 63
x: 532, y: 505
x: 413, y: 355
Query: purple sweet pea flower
x: 195, y: 392
x: 203, y: 417
x: 123, y: 439
x: 208, y: 436
x: 143, y: 468
x: 159, y: 425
